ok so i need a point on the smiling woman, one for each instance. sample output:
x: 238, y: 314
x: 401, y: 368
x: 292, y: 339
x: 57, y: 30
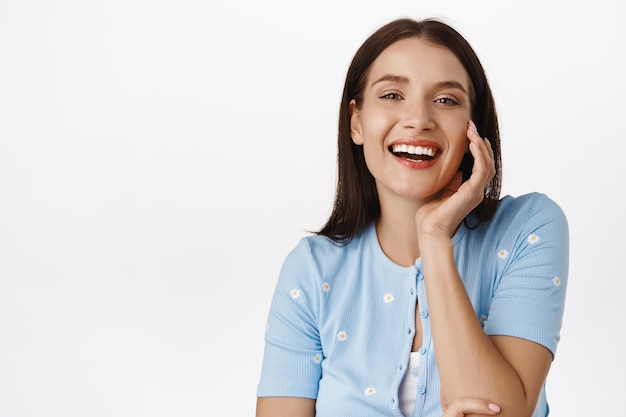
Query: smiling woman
x: 425, y: 293
x: 399, y: 111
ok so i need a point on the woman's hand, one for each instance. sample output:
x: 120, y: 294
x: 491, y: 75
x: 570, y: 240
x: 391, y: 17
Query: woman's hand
x: 442, y: 216
x: 464, y: 406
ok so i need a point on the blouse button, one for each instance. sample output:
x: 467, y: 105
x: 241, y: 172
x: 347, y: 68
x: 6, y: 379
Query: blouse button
x: 424, y: 313
x: 422, y: 351
x: 421, y: 389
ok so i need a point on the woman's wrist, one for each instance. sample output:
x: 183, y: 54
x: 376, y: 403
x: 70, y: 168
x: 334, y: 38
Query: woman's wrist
x: 434, y: 245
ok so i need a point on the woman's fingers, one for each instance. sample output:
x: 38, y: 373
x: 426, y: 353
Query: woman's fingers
x: 463, y: 406
x: 484, y: 164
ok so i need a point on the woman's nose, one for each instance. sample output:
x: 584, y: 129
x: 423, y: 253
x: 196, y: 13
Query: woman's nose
x: 418, y: 116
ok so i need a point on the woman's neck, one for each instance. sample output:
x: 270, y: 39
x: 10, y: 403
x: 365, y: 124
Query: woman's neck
x: 397, y: 233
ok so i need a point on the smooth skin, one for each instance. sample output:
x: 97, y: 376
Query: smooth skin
x: 417, y: 90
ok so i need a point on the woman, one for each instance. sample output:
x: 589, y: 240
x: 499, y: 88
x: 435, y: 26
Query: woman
x: 423, y: 288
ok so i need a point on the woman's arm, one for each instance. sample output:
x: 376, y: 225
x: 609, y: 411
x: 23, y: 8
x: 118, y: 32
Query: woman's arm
x: 465, y: 406
x: 292, y: 358
x: 509, y: 370
x: 305, y: 407
x: 285, y: 407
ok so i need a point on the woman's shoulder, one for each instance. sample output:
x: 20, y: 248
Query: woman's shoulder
x: 320, y: 246
x: 526, y: 213
x: 528, y: 206
x: 324, y: 254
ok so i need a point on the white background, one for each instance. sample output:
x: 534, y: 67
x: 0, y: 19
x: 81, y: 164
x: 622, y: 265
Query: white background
x: 158, y: 159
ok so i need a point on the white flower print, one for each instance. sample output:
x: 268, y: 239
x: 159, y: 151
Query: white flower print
x: 532, y: 239
x: 370, y: 391
x: 557, y: 281
x: 295, y: 293
x: 317, y: 358
x: 342, y: 336
x: 388, y: 298
x: 503, y: 254
x: 326, y: 287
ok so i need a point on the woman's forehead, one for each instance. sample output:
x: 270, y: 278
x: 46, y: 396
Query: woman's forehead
x: 414, y: 59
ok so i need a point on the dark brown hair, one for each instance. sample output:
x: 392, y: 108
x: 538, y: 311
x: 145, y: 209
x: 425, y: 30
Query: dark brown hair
x: 356, y: 199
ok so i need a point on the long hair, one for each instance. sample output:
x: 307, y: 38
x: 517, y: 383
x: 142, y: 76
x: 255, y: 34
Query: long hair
x: 356, y: 198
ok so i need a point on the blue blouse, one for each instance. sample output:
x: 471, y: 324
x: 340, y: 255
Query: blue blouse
x: 342, y: 319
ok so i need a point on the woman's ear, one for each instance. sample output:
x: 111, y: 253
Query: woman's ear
x: 355, y: 124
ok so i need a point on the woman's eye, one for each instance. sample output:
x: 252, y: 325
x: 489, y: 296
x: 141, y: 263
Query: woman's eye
x: 447, y: 101
x: 391, y: 96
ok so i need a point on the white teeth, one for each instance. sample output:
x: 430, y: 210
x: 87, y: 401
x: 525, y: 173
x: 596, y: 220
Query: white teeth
x: 414, y: 150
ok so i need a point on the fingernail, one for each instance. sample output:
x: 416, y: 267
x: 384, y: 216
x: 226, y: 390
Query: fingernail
x: 494, y: 408
x: 473, y: 126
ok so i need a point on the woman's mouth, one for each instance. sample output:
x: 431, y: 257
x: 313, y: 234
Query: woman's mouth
x: 413, y: 153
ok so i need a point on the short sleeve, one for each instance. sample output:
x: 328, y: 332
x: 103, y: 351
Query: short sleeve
x: 292, y: 361
x: 529, y: 296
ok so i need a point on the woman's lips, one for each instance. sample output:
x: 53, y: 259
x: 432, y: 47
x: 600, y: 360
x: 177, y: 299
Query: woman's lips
x: 415, y: 154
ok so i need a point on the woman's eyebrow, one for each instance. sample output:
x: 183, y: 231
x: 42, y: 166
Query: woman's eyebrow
x: 405, y: 80
x: 452, y: 84
x: 393, y: 78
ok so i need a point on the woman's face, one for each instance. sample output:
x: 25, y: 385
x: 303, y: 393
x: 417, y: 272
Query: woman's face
x: 413, y: 119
